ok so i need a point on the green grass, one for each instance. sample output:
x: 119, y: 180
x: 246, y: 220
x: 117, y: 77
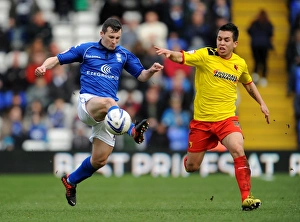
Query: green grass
x: 129, y: 199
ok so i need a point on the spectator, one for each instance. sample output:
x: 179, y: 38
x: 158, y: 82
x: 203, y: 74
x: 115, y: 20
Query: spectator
x: 39, y: 28
x: 180, y: 86
x: 34, y: 108
x: 16, y: 36
x: 15, y: 77
x: 131, y: 20
x: 4, y: 41
x: 111, y: 8
x: 221, y: 9
x: 60, y: 86
x: 292, y: 56
x: 175, y: 18
x: 130, y: 100
x: 80, y: 141
x: 161, y: 7
x: 38, y: 91
x: 217, y: 23
x: 37, y: 53
x: 152, y: 31
x: 37, y: 129
x: 176, y: 120
x: 60, y: 114
x: 21, y: 11
x: 198, y: 32
x: 261, y: 32
x: 294, y: 14
x: 149, y: 57
x: 152, y: 107
x: 63, y: 8
x: 15, y: 133
x: 190, y: 6
x: 175, y: 41
x: 170, y: 67
x: 20, y: 15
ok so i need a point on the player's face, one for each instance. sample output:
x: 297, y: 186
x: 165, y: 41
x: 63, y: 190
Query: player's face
x: 225, y: 44
x: 110, y: 39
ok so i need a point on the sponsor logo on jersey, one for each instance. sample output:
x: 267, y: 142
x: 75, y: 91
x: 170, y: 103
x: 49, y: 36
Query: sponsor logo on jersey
x: 105, y: 72
x: 105, y: 69
x: 224, y: 75
x: 92, y: 56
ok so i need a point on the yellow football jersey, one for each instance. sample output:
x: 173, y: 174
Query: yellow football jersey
x: 216, y: 83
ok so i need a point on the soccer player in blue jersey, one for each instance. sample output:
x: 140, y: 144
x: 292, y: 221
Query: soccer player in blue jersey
x: 101, y: 64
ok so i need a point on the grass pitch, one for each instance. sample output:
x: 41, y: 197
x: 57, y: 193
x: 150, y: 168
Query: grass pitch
x: 130, y: 199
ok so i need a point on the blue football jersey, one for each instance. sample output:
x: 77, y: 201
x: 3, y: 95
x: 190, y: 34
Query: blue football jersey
x: 101, y: 68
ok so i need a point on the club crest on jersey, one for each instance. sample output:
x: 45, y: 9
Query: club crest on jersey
x: 119, y: 58
x: 191, y: 52
x: 236, y: 67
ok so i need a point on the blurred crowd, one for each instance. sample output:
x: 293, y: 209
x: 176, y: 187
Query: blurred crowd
x: 292, y: 56
x: 31, y: 107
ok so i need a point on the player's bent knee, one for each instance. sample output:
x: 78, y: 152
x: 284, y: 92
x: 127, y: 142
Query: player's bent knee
x: 191, y: 168
x: 98, y: 163
x: 237, y: 152
x: 110, y: 102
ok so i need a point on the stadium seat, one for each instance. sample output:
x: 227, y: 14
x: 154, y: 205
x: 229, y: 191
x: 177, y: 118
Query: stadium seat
x: 85, y: 33
x: 59, y: 139
x: 62, y: 30
x: 46, y: 5
x: 4, y: 13
x: 22, y: 58
x: 63, y: 36
x: 34, y: 145
x: 85, y: 18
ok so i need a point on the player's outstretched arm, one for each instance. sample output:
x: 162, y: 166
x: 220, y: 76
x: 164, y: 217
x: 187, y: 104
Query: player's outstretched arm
x: 48, y: 64
x: 148, y: 73
x: 254, y: 93
x: 172, y: 55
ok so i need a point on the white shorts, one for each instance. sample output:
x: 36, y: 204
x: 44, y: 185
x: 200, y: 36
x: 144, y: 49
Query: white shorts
x: 99, y: 130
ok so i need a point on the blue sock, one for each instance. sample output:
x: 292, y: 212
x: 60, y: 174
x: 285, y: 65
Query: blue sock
x: 84, y: 171
x: 130, y: 129
x: 113, y: 107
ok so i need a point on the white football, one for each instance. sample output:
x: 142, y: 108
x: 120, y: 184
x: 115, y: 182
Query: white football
x: 117, y: 121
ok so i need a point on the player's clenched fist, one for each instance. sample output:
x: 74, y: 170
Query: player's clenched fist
x: 40, y: 71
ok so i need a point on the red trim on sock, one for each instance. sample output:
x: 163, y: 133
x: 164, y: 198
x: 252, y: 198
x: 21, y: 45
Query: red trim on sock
x: 243, y: 175
x: 184, y: 162
x: 133, y: 132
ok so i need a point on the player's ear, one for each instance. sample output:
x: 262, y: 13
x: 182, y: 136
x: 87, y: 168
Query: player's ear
x: 235, y: 44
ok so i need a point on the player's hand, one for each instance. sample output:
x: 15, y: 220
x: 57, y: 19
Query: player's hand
x: 156, y: 67
x: 40, y: 71
x: 265, y: 111
x: 162, y: 51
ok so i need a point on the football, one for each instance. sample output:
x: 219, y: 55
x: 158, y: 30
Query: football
x: 117, y: 121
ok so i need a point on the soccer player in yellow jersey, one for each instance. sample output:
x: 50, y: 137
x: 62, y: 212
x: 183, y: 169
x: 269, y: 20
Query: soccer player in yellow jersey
x: 218, y: 72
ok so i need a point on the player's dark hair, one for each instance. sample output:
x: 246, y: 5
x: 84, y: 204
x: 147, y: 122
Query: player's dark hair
x: 231, y: 28
x: 115, y: 24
